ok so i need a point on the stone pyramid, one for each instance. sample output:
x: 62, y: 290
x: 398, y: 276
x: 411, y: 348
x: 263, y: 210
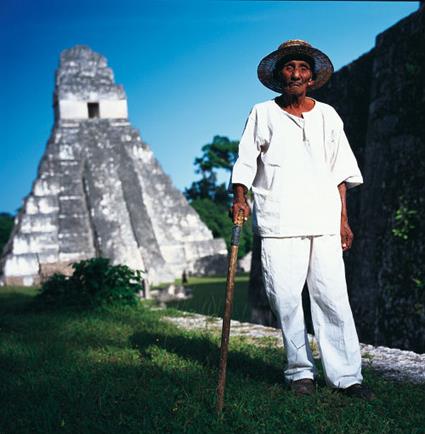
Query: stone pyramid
x: 101, y: 192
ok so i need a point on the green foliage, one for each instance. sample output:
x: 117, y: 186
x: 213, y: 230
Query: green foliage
x: 93, y: 282
x: 216, y: 217
x: 212, y: 200
x: 205, y: 188
x: 403, y: 221
x: 221, y: 154
x: 6, y: 226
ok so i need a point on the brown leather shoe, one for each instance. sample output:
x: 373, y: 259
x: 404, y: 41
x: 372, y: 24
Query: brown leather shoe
x: 359, y: 391
x: 305, y: 386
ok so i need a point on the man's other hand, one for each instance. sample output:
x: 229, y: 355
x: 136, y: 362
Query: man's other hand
x: 346, y: 235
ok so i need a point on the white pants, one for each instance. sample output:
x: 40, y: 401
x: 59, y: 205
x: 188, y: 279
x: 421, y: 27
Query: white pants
x: 287, y: 263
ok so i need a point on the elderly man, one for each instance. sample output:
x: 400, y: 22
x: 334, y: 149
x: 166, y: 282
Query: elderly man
x: 296, y: 158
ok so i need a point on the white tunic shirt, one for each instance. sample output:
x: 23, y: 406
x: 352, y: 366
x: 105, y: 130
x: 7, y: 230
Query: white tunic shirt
x: 294, y: 166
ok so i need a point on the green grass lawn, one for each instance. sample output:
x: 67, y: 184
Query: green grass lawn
x: 209, y: 295
x: 123, y: 370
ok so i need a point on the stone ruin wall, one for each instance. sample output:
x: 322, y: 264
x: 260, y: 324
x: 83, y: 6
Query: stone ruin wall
x: 381, y: 98
x: 100, y: 191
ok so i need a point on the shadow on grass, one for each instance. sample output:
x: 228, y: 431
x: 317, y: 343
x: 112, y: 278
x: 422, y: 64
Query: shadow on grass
x: 258, y: 365
x: 14, y: 302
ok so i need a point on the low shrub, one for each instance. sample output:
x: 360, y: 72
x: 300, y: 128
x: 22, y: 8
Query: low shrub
x: 94, y: 282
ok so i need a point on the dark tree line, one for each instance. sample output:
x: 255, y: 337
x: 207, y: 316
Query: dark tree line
x: 211, y: 199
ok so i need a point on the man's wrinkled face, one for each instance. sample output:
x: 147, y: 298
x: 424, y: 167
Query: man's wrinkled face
x: 297, y: 77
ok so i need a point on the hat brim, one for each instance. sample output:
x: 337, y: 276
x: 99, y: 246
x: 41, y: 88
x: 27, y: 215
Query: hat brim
x: 323, y: 67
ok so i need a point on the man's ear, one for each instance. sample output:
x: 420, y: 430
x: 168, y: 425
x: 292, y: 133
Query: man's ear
x: 310, y: 82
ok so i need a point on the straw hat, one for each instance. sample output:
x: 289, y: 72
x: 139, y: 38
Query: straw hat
x: 295, y: 49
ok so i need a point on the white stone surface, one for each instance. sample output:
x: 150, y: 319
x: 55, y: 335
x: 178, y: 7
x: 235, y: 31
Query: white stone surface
x: 41, y: 205
x: 31, y: 243
x: 66, y: 151
x: 69, y: 109
x: 38, y: 223
x: 21, y: 265
x: 42, y: 187
x: 49, y: 257
x: 69, y: 257
x: 392, y: 363
x: 28, y: 280
x: 245, y: 262
x: 110, y: 109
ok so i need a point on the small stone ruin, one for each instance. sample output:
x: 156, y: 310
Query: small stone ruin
x: 101, y: 192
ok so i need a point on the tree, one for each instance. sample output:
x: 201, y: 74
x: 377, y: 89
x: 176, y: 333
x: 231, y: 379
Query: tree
x: 221, y: 154
x: 6, y: 226
x: 212, y: 200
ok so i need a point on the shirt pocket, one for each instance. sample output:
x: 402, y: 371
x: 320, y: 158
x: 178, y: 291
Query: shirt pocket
x: 269, y: 175
x: 266, y: 211
x: 272, y: 158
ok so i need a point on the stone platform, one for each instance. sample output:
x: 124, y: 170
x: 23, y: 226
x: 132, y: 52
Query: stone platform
x: 392, y: 363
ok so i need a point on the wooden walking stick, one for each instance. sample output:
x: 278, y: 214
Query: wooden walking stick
x: 230, y: 284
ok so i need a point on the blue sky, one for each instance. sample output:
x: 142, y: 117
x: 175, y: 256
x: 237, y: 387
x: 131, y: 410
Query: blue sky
x: 188, y: 68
